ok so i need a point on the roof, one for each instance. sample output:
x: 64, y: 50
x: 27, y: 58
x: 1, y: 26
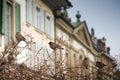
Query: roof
x: 57, y: 4
x: 66, y: 21
x: 76, y: 24
x: 109, y: 56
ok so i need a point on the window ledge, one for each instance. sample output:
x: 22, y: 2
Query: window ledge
x: 39, y: 31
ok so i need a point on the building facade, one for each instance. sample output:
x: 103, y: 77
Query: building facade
x: 44, y: 21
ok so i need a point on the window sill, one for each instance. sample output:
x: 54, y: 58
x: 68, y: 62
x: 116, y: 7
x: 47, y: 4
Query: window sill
x: 39, y: 31
x: 43, y: 33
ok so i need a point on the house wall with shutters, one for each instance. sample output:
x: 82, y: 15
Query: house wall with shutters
x: 23, y: 19
x: 34, y: 18
x: 37, y: 21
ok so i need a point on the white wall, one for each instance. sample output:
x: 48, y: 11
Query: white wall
x: 23, y: 13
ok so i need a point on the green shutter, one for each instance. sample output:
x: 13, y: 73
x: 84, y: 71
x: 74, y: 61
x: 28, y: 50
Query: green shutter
x: 18, y: 18
x: 2, y: 16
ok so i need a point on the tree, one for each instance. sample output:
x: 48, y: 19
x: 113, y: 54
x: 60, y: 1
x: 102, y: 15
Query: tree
x: 51, y: 67
x: 117, y: 70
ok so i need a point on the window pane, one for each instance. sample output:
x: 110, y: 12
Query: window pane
x: 49, y: 24
x: 8, y: 28
x: 29, y: 11
x: 38, y: 16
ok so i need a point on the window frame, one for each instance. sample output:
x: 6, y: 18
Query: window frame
x: 49, y: 28
x: 38, y: 23
x: 9, y: 28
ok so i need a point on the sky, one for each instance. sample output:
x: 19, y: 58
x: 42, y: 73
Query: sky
x: 103, y: 16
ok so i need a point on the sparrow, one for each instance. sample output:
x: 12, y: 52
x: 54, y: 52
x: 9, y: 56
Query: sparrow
x: 54, y: 46
x: 19, y: 37
x: 85, y: 62
x: 10, y: 57
x: 100, y: 64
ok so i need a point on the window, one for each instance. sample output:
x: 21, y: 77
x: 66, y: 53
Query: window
x: 80, y: 60
x: 8, y: 18
x: 74, y: 60
x: 48, y: 24
x: 38, y: 17
x: 67, y: 60
x: 29, y: 11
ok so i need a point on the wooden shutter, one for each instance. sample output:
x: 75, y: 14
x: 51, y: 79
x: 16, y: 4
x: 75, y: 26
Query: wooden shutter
x: 2, y: 16
x: 18, y: 17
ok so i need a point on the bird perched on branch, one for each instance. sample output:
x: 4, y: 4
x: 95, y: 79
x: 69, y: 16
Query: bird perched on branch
x: 54, y: 46
x: 100, y: 64
x: 19, y: 37
x: 85, y: 63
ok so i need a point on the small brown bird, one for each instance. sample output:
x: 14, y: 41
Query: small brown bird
x: 54, y: 46
x: 19, y: 37
x: 100, y: 64
x: 10, y: 57
x: 85, y: 62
